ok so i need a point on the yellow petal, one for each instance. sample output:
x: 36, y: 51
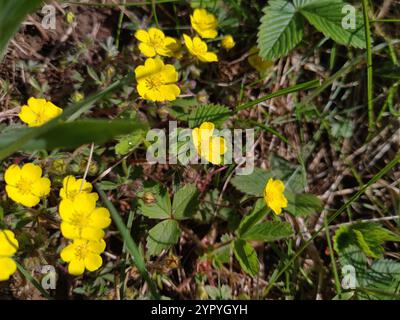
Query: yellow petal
x: 66, y: 209
x: 8, y: 243
x: 147, y: 50
x: 68, y: 253
x: 97, y: 246
x: 69, y: 231
x: 12, y: 175
x: 93, y: 262
x: 41, y: 187
x: 101, y: 218
x: 142, y: 35
x: 76, y: 267
x: 28, y: 116
x: 93, y: 234
x: 31, y: 172
x: 7, y: 268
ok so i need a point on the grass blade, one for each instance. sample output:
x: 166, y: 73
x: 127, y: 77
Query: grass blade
x: 130, y: 244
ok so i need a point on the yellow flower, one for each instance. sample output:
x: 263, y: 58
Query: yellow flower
x: 228, y: 42
x: 72, y: 187
x: 38, y: 112
x: 204, y: 23
x: 81, y: 219
x: 25, y: 185
x: 199, y: 49
x: 257, y: 62
x: 83, y: 254
x: 8, y: 247
x: 207, y: 146
x: 156, y: 81
x: 154, y: 41
x: 273, y: 195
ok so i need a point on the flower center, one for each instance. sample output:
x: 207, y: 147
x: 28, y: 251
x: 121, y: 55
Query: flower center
x: 157, y: 42
x: 80, y: 220
x: 154, y: 82
x: 24, y: 186
x: 81, y: 252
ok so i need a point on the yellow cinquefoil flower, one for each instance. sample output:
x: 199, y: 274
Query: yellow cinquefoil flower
x: 199, y: 49
x: 25, y: 185
x: 207, y: 146
x: 154, y: 41
x: 204, y: 23
x: 81, y: 219
x: 8, y: 247
x: 72, y: 187
x: 257, y: 62
x: 273, y: 195
x: 228, y: 42
x: 156, y: 81
x: 38, y: 112
x: 83, y: 254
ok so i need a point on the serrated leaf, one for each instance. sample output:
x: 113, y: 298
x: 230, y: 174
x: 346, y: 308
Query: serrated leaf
x: 302, y: 204
x: 160, y: 208
x: 281, y: 29
x: 369, y: 237
x: 252, y: 184
x: 214, y: 113
x: 326, y: 16
x: 247, y: 257
x: 185, y: 202
x: 268, y: 231
x: 162, y: 236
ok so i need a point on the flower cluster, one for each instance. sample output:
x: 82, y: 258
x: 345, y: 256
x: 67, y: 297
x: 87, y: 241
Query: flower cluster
x: 84, y: 224
x: 156, y: 81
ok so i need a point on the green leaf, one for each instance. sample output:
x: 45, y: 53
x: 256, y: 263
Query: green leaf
x: 268, y: 231
x: 162, y: 236
x: 247, y: 257
x: 369, y: 237
x: 12, y: 14
x: 326, y: 16
x: 185, y: 202
x: 129, y: 142
x: 252, y: 184
x: 302, y: 204
x: 258, y: 213
x: 160, y: 209
x: 129, y: 244
x: 74, y: 134
x: 281, y: 29
x: 214, y: 113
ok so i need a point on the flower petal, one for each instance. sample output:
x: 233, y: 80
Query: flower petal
x: 12, y: 174
x: 41, y: 187
x: 7, y: 268
x: 76, y: 267
x: 93, y: 262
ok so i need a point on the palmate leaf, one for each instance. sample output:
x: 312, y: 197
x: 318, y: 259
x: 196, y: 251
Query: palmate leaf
x: 214, y: 113
x: 326, y: 16
x: 185, y: 202
x: 281, y: 29
x: 162, y: 236
x: 12, y: 13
